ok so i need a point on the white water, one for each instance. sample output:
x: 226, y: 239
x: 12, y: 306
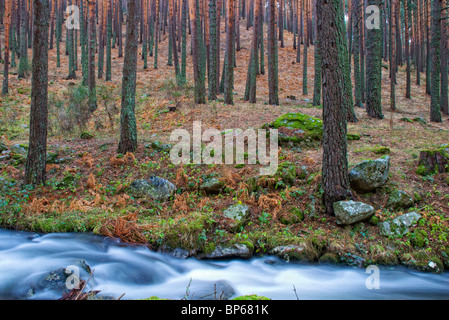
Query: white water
x: 25, y: 258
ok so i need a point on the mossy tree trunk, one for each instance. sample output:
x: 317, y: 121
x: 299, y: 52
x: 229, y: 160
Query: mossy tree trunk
x: 128, y: 127
x: 435, y: 111
x: 91, y: 58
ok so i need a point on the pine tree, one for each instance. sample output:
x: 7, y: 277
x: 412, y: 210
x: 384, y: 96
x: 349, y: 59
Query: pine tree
x: 332, y: 42
x: 35, y: 167
x: 435, y: 111
x: 273, y: 82
x: 23, y: 62
x: 128, y: 127
x: 230, y: 49
x: 374, y: 69
x: 8, y: 12
x: 91, y: 57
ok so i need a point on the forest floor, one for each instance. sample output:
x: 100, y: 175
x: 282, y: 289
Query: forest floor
x: 86, y: 189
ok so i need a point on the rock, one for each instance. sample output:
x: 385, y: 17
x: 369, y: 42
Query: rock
x: 400, y: 225
x: 210, y: 290
x: 353, y: 136
x: 433, y: 161
x: 405, y: 119
x: 178, y: 253
x: 349, y: 212
x: 19, y: 150
x: 3, y: 146
x: 368, y: 175
x: 158, y: 189
x: 237, y: 250
x: 287, y: 172
x: 290, y: 252
x: 86, y: 135
x: 158, y: 146
x: 420, y: 120
x: 237, y: 213
x: 381, y: 150
x: 399, y: 199
x: 296, y: 127
x: 213, y: 185
x: 422, y: 261
x: 310, y: 208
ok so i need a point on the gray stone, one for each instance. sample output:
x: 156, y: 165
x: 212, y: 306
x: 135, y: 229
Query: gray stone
x: 399, y: 199
x: 237, y: 213
x: 349, y: 212
x: 18, y: 149
x: 156, y: 188
x: 368, y: 175
x: 209, y: 290
x: 213, y: 185
x: 400, y: 225
x: 290, y: 252
x: 237, y: 250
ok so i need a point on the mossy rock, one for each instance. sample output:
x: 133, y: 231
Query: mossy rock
x: 381, y: 150
x: 330, y: 257
x: 353, y: 136
x: 419, y: 238
x: 422, y: 261
x: 86, y: 136
x: 287, y: 172
x: 295, y: 215
x: 405, y: 119
x: 420, y: 120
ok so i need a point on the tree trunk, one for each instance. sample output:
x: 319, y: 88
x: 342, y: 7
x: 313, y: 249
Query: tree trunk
x: 333, y: 46
x: 435, y: 111
x: 374, y: 70
x: 273, y: 82
x: 128, y: 132
x: 8, y: 12
x: 444, y: 66
x: 407, y: 18
x: 91, y: 58
x: 35, y: 167
x: 230, y: 43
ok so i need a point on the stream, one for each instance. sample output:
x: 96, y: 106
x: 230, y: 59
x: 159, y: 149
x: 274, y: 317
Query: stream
x: 27, y: 259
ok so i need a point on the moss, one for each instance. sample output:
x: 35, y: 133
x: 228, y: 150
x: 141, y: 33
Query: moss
x: 421, y: 170
x: 374, y: 221
x: 86, y: 135
x: 405, y: 119
x: 419, y: 238
x: 353, y: 136
x: 381, y: 150
x: 251, y: 297
x: 422, y: 261
x: 330, y: 257
x: 209, y: 247
x: 313, y: 127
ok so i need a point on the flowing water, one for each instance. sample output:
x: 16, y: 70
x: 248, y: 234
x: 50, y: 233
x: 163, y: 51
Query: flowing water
x: 27, y: 258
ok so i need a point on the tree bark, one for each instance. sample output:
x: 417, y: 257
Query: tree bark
x: 128, y: 129
x: 35, y: 167
x: 230, y: 49
x: 435, y: 111
x: 332, y: 42
x: 273, y: 81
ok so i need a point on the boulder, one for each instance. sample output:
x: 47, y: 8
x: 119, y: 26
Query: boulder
x: 18, y: 149
x: 237, y: 214
x: 156, y: 188
x: 368, y: 175
x: 399, y: 199
x: 212, y: 185
x: 400, y: 225
x: 348, y: 212
x: 291, y: 252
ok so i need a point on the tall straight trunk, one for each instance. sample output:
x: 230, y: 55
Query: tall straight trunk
x: 128, y: 127
x: 306, y: 44
x: 281, y: 22
x: 83, y: 41
x: 393, y: 51
x: 374, y: 69
x: 109, y: 42
x: 119, y: 29
x: 172, y: 34
x: 101, y: 38
x: 428, y: 46
x: 273, y: 81
x: 91, y: 57
x: 332, y: 42
x: 435, y: 111
x: 8, y: 12
x: 299, y: 18
x: 444, y: 66
x: 356, y: 52
x: 23, y: 63
x: 35, y: 167
x: 230, y: 49
x: 198, y: 53
x: 407, y: 18
x: 212, y: 77
x: 418, y: 44
x: 183, y: 42
x: 261, y: 41
x: 156, y: 33
x: 251, y: 88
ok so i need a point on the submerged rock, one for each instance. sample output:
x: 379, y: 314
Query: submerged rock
x: 368, y: 175
x: 349, y: 212
x: 158, y: 189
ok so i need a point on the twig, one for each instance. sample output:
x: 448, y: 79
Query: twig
x: 85, y: 284
x: 121, y: 296
x: 294, y: 290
